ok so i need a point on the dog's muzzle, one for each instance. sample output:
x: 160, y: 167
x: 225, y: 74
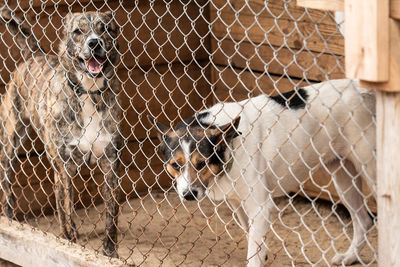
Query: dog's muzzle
x: 191, y: 194
x: 95, y: 57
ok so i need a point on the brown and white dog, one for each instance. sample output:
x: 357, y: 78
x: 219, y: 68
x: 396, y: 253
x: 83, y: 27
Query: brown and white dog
x: 249, y: 152
x: 70, y: 101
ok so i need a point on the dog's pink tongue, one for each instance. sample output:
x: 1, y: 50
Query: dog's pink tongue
x: 94, y: 66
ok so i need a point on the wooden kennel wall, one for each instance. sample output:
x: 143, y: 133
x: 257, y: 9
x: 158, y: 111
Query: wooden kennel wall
x: 183, y: 70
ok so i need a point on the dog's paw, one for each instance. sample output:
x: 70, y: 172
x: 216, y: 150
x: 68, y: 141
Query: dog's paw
x: 110, y: 253
x: 71, y: 234
x: 344, y: 259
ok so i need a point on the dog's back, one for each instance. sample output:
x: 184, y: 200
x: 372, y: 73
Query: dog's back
x: 299, y: 130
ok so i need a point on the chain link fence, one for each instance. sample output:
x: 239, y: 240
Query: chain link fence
x: 176, y: 58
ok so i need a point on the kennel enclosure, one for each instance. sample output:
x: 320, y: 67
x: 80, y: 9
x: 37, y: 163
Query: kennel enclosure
x: 178, y: 57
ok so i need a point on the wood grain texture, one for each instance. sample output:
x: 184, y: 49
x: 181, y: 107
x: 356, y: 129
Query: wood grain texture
x: 388, y: 142
x: 166, y: 92
x: 333, y: 5
x: 258, y: 25
x: 392, y: 85
x: 395, y: 9
x: 278, y: 60
x: 231, y: 84
x: 367, y: 39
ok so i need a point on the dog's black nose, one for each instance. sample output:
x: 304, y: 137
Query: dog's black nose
x: 190, y: 194
x: 93, y: 43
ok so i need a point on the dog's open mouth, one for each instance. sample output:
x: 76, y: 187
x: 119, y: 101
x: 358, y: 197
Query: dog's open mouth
x: 94, y: 65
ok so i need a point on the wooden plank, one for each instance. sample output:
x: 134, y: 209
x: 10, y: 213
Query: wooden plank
x: 392, y: 85
x: 232, y: 84
x: 395, y: 9
x: 333, y: 5
x: 24, y: 5
x: 167, y: 92
x: 26, y: 246
x: 277, y: 60
x: 274, y: 8
x: 338, y: 5
x: 367, y: 39
x: 259, y: 25
x: 143, y: 42
x: 388, y: 173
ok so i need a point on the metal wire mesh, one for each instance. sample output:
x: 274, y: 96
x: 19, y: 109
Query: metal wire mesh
x: 176, y: 58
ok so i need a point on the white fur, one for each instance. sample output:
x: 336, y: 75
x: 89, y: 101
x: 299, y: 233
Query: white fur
x: 93, y: 36
x: 279, y: 148
x: 183, y: 181
x: 91, y: 84
x: 93, y: 137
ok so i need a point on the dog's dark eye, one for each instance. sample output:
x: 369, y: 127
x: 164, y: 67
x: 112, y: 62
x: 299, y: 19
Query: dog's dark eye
x: 200, y: 165
x: 176, y: 166
x: 78, y: 31
x: 107, y: 28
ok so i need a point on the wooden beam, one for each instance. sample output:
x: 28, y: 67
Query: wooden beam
x: 388, y: 173
x: 338, y: 5
x: 231, y: 84
x: 367, y: 39
x: 332, y: 5
x: 262, y: 29
x: 264, y: 58
x: 392, y: 85
x: 25, y: 246
x: 395, y: 9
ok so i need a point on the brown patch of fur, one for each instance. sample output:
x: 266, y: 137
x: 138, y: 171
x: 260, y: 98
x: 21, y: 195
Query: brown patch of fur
x: 178, y: 158
x: 206, y: 173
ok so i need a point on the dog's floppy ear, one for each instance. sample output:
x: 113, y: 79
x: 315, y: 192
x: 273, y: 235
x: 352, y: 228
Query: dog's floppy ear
x: 110, y: 20
x: 66, y: 21
x: 230, y: 130
x: 161, y: 129
x: 109, y: 15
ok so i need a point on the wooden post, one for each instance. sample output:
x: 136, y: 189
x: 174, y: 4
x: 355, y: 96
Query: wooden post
x: 373, y: 56
x: 388, y: 144
x: 336, y: 5
x: 367, y: 39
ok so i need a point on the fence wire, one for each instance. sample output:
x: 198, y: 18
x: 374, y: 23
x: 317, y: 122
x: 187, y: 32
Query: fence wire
x: 81, y: 160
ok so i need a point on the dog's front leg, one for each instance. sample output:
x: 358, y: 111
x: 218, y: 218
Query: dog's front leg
x: 64, y: 196
x: 258, y: 214
x: 109, y: 165
x: 257, y: 205
x: 7, y: 180
x: 12, y: 133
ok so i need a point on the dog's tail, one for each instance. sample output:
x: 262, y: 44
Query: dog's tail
x: 21, y: 33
